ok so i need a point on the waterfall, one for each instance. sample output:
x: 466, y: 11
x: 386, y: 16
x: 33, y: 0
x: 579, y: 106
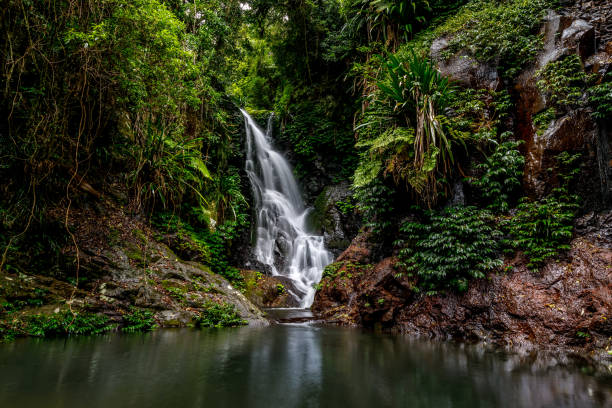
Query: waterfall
x: 284, y: 240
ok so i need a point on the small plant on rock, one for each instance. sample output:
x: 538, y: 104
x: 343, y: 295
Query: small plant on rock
x: 219, y: 315
x: 138, y: 320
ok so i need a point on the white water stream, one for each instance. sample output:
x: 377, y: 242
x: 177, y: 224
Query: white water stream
x: 284, y: 240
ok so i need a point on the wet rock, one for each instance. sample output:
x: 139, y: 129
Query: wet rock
x: 149, y: 298
x: 359, y: 251
x: 335, y: 216
x: 575, y: 132
x: 596, y: 227
x: 151, y: 278
x: 269, y: 291
x: 579, y: 36
x: 174, y: 318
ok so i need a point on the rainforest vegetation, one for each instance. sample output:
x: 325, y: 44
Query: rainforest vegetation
x: 131, y: 106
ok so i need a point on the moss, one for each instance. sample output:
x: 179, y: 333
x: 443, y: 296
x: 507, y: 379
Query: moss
x: 113, y: 237
x: 203, y: 268
x: 492, y: 31
x: 134, y: 253
x: 137, y: 233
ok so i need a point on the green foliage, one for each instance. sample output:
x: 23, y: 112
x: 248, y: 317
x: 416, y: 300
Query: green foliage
x: 346, y: 207
x: 542, y: 120
x: 211, y: 247
x: 128, y: 94
x: 219, y: 315
x: 477, y: 113
x: 497, y: 31
x: 138, y: 320
x: 343, y: 270
x: 583, y: 335
x: 542, y: 229
x: 503, y: 171
x: 563, y: 82
x: 383, y: 152
x: 416, y: 150
x: 315, y: 136
x: 600, y: 98
x: 331, y: 270
x: 391, y: 22
x: 375, y: 204
x: 449, y: 248
x: 168, y: 170
x: 403, y: 14
x: 64, y: 323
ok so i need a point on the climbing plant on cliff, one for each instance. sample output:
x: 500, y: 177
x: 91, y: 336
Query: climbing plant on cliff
x: 502, y: 174
x: 504, y: 32
x: 445, y: 249
x: 543, y: 228
x: 600, y: 98
x: 564, y: 83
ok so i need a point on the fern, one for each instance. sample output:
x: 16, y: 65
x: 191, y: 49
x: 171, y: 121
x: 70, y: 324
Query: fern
x: 503, y: 171
x: 544, y: 228
x: 449, y: 248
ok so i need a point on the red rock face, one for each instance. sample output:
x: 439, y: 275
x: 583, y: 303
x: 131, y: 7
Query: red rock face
x: 568, y: 303
x: 576, y: 132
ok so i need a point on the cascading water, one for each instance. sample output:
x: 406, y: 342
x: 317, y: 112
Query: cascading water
x: 284, y: 241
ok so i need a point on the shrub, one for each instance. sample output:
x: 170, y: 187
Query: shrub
x: 449, y: 248
x: 219, y: 315
x: 419, y: 94
x: 138, y: 320
x: 64, y: 323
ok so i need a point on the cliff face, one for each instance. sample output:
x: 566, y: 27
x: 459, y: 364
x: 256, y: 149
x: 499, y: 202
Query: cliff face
x: 568, y: 302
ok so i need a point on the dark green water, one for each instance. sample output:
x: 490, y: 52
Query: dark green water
x: 280, y: 366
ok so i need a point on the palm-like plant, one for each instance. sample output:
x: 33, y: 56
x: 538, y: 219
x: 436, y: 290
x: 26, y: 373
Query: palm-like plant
x: 419, y: 93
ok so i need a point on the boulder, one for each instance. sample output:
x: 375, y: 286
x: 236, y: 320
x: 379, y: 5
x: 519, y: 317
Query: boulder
x: 335, y: 216
x: 269, y: 291
x: 463, y: 68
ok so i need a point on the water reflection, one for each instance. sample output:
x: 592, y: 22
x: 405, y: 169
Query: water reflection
x: 283, y: 366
